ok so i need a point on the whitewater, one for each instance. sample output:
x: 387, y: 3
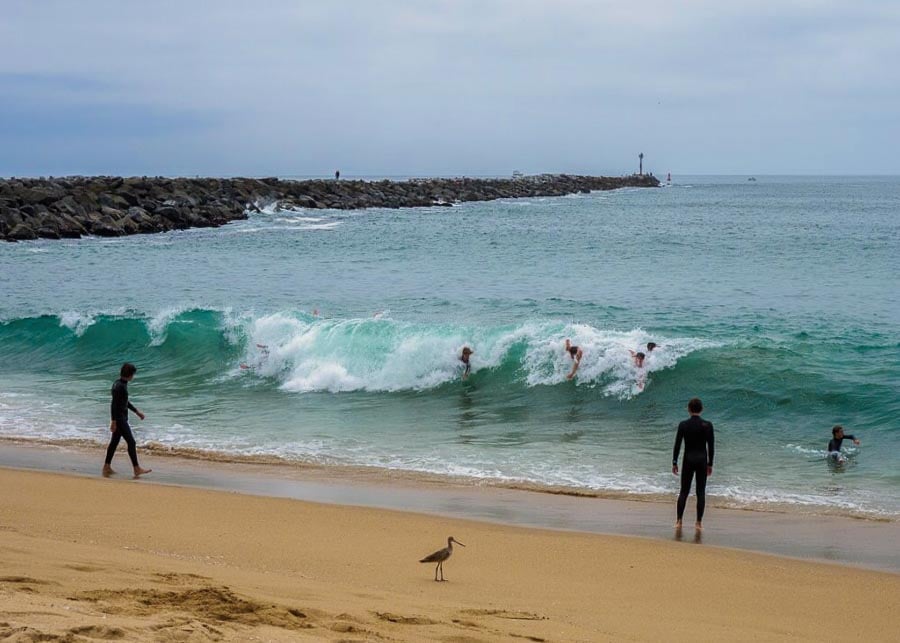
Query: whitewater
x: 333, y: 338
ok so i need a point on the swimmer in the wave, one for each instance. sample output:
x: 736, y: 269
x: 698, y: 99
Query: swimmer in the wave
x: 834, y: 444
x: 639, y: 363
x: 576, y: 354
x: 263, y: 358
x: 467, y: 365
x: 650, y: 347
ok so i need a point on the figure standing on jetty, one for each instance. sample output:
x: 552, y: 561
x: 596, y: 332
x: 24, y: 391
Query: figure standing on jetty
x: 118, y: 425
x: 576, y: 354
x: 337, y: 175
x: 699, y: 449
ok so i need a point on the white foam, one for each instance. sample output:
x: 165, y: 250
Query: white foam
x: 76, y: 322
x: 158, y: 324
x: 377, y: 354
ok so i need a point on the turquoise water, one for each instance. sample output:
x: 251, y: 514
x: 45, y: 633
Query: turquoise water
x: 775, y: 302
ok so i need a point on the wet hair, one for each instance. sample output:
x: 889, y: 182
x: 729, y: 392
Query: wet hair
x: 128, y: 369
x: 467, y: 350
x: 836, y: 429
x: 650, y: 346
x: 640, y: 355
x: 695, y: 405
x: 573, y: 350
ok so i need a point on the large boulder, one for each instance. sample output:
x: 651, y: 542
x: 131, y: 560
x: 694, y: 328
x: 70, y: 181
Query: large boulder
x: 21, y: 232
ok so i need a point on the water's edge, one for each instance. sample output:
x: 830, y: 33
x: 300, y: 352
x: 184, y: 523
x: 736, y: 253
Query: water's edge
x: 830, y: 539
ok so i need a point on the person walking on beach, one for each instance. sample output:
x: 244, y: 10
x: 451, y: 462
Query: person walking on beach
x: 576, y: 354
x: 118, y: 425
x: 699, y: 449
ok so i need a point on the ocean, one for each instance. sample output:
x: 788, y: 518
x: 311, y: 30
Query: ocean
x: 332, y: 337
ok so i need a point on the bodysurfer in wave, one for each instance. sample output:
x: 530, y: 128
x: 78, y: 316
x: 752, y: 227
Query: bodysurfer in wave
x: 638, y: 359
x: 263, y: 358
x: 467, y: 365
x: 576, y: 354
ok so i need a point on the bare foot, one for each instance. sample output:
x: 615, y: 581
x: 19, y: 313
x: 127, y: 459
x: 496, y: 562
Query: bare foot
x: 677, y: 524
x: 138, y: 472
x: 698, y: 526
x: 107, y: 471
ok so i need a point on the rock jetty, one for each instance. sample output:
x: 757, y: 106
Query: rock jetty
x: 71, y: 207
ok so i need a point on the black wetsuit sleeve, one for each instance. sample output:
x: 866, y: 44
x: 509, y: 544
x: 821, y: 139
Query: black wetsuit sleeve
x: 849, y: 437
x: 131, y: 406
x: 678, y: 438
x: 710, y: 445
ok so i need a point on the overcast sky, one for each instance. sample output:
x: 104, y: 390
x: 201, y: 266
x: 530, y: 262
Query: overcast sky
x: 397, y: 87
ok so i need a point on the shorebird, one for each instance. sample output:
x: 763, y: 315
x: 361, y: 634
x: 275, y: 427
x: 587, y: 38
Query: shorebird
x: 440, y: 556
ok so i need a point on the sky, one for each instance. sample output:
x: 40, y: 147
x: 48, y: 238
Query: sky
x: 439, y: 87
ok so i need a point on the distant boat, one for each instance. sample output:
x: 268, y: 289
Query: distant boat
x: 752, y: 178
x: 669, y: 177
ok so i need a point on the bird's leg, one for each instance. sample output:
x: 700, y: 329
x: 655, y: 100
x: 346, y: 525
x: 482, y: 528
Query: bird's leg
x: 442, y: 571
x: 435, y: 571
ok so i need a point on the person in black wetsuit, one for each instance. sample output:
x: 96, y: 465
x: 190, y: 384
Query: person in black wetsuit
x: 699, y: 449
x: 837, y: 438
x: 118, y: 425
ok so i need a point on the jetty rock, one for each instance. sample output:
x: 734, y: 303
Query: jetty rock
x: 110, y: 206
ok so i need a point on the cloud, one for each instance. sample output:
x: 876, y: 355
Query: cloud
x: 408, y: 87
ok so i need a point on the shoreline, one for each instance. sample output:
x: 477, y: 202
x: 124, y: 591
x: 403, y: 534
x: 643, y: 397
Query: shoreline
x: 87, y: 559
x: 376, y: 474
x: 108, y: 206
x: 825, y: 538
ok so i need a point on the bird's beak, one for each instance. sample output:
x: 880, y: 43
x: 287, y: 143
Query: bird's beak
x: 459, y: 543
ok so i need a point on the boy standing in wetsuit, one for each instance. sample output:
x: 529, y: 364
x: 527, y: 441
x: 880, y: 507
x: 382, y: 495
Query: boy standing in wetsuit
x: 837, y: 437
x: 699, y: 449
x: 118, y: 425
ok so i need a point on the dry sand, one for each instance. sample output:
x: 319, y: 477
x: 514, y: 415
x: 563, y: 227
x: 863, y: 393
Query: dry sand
x: 92, y: 559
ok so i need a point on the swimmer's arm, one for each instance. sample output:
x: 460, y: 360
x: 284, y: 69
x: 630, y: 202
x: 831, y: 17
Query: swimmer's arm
x: 852, y: 437
x: 574, y: 369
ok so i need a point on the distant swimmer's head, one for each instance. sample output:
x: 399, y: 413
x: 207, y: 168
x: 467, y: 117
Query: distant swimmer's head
x: 650, y: 346
x: 127, y: 371
x: 573, y: 351
x: 466, y: 351
x: 837, y: 431
x: 639, y: 359
x: 695, y: 405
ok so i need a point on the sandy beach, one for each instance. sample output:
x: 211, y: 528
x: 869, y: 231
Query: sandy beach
x: 86, y: 559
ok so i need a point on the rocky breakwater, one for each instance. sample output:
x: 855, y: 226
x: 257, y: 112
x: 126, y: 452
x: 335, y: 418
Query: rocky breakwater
x: 71, y: 207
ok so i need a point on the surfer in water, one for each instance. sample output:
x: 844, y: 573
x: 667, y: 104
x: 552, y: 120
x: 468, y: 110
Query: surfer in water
x: 263, y: 358
x: 576, y: 354
x: 467, y: 365
x: 837, y: 438
x: 638, y: 359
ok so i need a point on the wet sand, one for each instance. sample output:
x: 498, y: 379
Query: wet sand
x: 87, y: 558
x: 866, y: 543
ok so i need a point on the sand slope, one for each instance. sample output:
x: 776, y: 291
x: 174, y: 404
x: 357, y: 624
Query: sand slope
x: 91, y: 559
